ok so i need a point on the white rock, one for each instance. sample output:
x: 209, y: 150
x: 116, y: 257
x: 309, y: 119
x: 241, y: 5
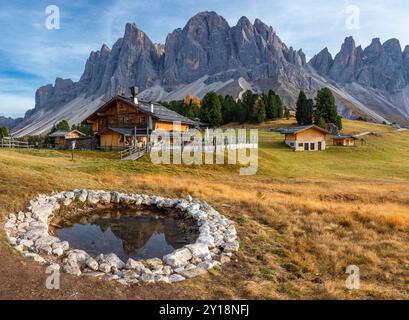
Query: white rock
x: 93, y: 197
x: 64, y: 245
x: 44, y: 244
x: 131, y: 264
x: 206, y: 239
x: 20, y: 248
x: 10, y: 225
x: 130, y: 274
x: 190, y: 266
x: 115, y: 197
x: 105, y: 197
x: 55, y: 266
x: 13, y: 241
x: 27, y: 243
x: 104, y: 267
x: 191, y: 273
x: 147, y: 277
x: 72, y: 269
x: 112, y: 260
x: 92, y: 263
x: 69, y: 195
x: 180, y: 269
x: 21, y: 216
x: 161, y: 278
x: 189, y: 198
x: 178, y: 258
x: 206, y: 265
x: 154, y: 264
x: 76, y: 259
x: 167, y: 270
x: 182, y: 205
x: 83, y: 195
x: 42, y: 212
x: 22, y: 226
x: 58, y: 251
x: 199, y: 250
x: 231, y: 246
x: 176, y: 278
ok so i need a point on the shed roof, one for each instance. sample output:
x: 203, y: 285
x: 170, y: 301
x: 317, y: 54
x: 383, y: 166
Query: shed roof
x: 63, y: 134
x: 343, y: 137
x: 299, y: 129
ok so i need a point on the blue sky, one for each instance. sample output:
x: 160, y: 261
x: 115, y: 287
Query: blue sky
x: 32, y: 56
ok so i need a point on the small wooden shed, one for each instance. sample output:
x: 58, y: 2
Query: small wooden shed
x: 344, y: 140
x: 62, y: 138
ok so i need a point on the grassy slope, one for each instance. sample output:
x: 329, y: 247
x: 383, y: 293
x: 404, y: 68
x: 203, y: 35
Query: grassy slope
x: 301, y: 220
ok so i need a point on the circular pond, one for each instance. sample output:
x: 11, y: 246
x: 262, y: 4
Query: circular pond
x: 129, y: 238
x: 129, y: 233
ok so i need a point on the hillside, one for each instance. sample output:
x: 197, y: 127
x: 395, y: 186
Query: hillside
x: 301, y: 220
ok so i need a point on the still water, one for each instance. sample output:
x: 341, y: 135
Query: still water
x: 128, y: 234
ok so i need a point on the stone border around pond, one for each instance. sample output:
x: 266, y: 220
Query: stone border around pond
x: 28, y: 232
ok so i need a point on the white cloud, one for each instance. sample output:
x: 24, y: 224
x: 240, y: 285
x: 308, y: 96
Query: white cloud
x: 14, y: 105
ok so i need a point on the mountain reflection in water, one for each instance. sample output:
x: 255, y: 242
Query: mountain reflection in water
x: 128, y: 235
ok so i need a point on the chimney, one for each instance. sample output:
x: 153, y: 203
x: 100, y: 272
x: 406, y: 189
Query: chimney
x: 134, y: 93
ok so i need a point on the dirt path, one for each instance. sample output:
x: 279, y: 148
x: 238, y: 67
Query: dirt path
x: 21, y: 278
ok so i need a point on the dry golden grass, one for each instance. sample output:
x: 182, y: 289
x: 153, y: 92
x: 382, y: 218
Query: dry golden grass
x: 297, y: 234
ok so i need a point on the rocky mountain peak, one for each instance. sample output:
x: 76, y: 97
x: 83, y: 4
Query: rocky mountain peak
x: 105, y: 49
x: 393, y: 48
x: 244, y: 22
x: 345, y: 62
x: 208, y: 19
x: 322, y: 62
x: 374, y: 49
x: 348, y: 47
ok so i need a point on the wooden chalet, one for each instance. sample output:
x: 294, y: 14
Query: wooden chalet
x: 306, y: 138
x: 123, y: 122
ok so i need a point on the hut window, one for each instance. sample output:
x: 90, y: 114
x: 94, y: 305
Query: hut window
x: 292, y: 144
x: 301, y: 144
x: 312, y: 146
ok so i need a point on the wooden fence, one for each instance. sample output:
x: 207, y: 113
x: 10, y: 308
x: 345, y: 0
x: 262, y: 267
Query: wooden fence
x: 14, y: 143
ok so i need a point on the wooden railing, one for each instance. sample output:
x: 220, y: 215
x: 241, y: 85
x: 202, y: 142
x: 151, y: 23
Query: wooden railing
x: 132, y: 151
x: 14, y: 143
